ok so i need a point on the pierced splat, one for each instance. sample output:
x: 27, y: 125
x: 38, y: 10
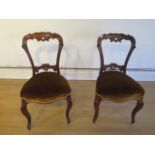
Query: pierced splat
x: 113, y: 66
x: 117, y: 37
x: 45, y: 67
x: 42, y: 36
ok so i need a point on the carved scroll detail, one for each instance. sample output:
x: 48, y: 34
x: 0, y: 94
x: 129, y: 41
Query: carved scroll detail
x: 115, y: 37
x: 46, y: 67
x: 113, y: 66
x: 43, y: 36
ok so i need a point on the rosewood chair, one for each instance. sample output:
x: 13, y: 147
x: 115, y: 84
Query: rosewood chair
x: 47, y: 86
x: 112, y: 83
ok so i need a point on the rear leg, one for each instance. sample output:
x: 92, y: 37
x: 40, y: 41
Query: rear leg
x: 69, y: 106
x: 96, y: 106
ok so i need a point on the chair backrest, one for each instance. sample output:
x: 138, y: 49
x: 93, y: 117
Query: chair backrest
x: 115, y: 37
x: 43, y: 36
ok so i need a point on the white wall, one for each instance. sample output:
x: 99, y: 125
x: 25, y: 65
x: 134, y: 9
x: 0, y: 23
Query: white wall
x: 80, y: 38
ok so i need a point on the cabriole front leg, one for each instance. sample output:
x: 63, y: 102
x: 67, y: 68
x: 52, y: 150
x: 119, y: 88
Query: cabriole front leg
x: 138, y: 107
x: 96, y: 106
x: 26, y: 113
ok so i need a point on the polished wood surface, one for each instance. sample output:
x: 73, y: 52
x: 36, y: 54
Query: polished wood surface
x: 44, y: 36
x: 49, y: 119
x: 116, y: 37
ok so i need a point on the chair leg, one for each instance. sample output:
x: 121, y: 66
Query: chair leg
x: 138, y: 106
x: 26, y: 113
x: 96, y: 106
x: 69, y: 106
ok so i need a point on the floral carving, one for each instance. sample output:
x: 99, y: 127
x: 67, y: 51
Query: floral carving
x: 43, y: 36
x: 115, y: 37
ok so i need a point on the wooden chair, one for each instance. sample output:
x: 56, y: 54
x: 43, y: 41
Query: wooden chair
x: 44, y: 87
x: 112, y: 83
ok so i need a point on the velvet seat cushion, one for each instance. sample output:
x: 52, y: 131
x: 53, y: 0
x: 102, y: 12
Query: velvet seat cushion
x: 45, y: 87
x: 118, y: 87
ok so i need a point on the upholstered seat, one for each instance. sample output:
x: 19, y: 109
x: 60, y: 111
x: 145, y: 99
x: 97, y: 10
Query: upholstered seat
x: 45, y: 87
x: 112, y: 83
x: 118, y: 87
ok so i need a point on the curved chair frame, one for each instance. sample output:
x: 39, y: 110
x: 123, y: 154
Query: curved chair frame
x: 43, y: 36
x: 115, y: 37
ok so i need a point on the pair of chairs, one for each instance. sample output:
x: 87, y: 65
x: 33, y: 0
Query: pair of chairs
x: 112, y: 83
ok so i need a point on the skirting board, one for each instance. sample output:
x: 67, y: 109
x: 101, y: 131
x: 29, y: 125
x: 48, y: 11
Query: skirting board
x: 76, y: 74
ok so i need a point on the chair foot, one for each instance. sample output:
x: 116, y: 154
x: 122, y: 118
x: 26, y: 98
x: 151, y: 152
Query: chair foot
x: 138, y: 106
x: 96, y: 106
x: 26, y: 113
x: 69, y: 106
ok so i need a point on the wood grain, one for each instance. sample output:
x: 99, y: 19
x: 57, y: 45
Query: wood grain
x: 50, y: 119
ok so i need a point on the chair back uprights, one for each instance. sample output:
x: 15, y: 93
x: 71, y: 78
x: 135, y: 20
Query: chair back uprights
x: 115, y: 37
x: 43, y: 36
